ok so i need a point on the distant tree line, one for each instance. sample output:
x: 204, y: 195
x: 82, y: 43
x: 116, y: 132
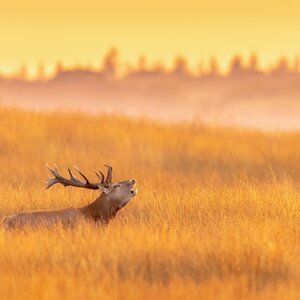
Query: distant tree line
x: 110, y: 65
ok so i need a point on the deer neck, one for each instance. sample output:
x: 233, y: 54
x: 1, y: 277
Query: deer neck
x: 102, y: 209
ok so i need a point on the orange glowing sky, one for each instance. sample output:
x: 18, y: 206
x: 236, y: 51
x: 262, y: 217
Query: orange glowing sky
x: 34, y: 31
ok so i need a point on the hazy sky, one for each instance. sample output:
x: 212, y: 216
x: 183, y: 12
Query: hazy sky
x: 73, y: 31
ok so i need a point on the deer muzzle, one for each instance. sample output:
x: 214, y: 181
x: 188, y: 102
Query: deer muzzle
x: 134, y: 189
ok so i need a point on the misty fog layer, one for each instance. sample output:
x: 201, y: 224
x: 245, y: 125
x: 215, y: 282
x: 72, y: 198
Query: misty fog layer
x: 251, y: 99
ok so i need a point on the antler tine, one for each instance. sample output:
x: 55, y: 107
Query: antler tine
x: 109, y: 174
x: 73, y: 177
x: 83, y: 176
x: 55, y: 174
x: 55, y: 171
x: 70, y: 172
x: 100, y: 175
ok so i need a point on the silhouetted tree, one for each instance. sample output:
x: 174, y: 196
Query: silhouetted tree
x: 236, y: 66
x: 59, y: 68
x: 180, y: 66
x: 110, y: 63
x: 213, y: 67
x: 282, y: 66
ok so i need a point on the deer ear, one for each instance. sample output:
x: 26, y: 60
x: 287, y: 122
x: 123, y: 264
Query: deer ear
x: 103, y: 189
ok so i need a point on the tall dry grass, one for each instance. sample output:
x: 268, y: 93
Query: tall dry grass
x: 217, y: 215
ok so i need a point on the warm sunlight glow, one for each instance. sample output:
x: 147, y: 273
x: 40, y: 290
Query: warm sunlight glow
x: 80, y: 32
x: 195, y: 104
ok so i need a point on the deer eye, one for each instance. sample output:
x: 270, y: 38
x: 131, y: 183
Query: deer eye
x: 116, y: 186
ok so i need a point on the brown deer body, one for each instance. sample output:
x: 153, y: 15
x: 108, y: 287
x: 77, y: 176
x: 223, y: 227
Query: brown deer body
x: 114, y: 196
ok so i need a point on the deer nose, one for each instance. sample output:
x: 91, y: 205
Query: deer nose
x: 133, y: 181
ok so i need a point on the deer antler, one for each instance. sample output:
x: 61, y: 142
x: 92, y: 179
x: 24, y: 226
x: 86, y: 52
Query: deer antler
x: 109, y: 174
x: 73, y: 181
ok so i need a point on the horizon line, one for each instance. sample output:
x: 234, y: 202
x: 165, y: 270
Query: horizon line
x: 179, y: 63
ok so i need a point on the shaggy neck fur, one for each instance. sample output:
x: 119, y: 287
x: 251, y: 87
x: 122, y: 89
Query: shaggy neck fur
x: 101, y: 210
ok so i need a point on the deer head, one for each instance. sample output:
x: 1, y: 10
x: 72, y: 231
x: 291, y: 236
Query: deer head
x: 116, y: 195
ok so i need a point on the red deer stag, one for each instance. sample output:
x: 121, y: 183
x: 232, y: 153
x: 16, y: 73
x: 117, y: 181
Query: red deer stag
x: 114, y: 196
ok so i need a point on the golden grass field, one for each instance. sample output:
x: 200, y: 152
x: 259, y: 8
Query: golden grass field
x: 217, y: 215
